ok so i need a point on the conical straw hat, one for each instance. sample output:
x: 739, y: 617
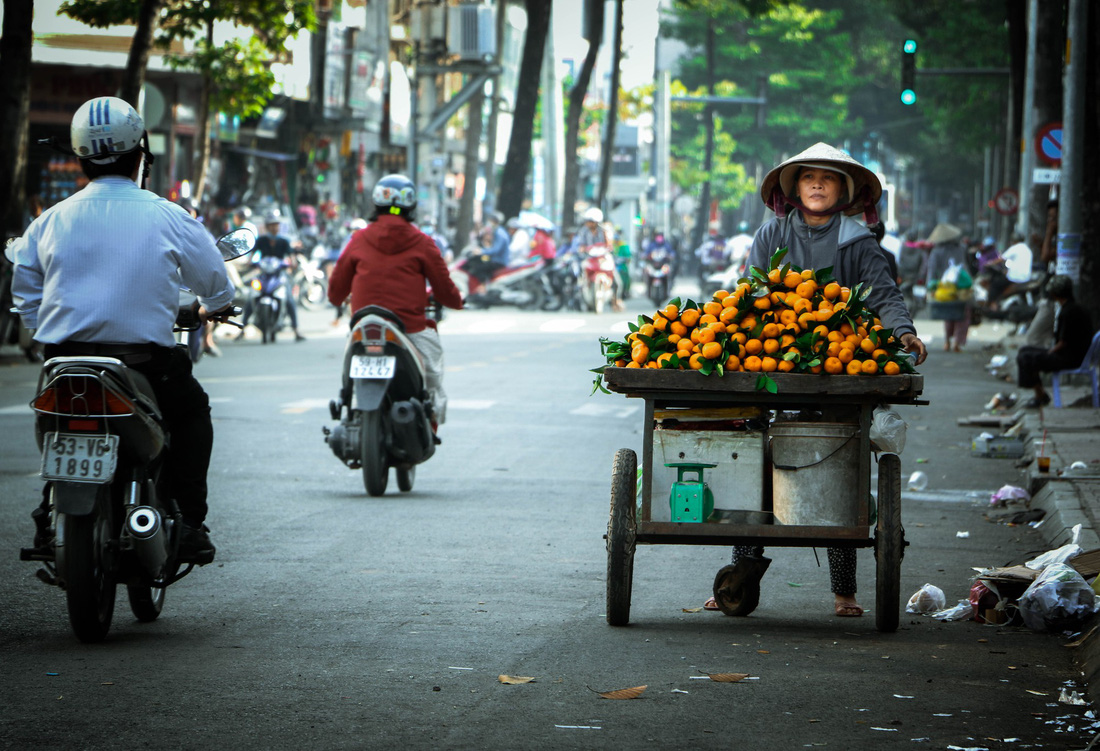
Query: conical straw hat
x: 944, y: 233
x: 824, y: 156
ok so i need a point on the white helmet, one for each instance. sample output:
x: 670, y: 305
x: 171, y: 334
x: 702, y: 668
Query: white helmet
x: 105, y: 127
x: 593, y: 215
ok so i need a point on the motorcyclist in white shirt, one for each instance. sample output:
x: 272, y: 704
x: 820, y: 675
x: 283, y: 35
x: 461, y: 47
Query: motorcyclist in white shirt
x: 99, y: 274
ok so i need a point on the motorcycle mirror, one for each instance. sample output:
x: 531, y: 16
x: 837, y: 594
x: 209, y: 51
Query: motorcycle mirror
x: 236, y: 243
x: 9, y: 249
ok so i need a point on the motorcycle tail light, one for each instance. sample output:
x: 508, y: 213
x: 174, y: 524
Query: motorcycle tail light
x: 81, y: 396
x: 86, y: 426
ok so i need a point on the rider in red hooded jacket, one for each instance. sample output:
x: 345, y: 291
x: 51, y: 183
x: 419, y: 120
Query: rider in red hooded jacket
x: 387, y: 265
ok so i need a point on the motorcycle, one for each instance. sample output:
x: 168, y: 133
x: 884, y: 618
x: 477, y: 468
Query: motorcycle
x: 521, y: 285
x: 270, y: 289
x: 309, y: 278
x: 384, y: 412
x: 598, y: 280
x: 97, y: 424
x: 657, y: 270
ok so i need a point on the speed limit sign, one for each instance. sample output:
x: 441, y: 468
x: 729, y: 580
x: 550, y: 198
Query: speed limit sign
x: 1007, y: 201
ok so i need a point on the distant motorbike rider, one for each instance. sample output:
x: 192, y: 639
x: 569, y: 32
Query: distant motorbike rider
x: 519, y: 242
x: 495, y: 242
x: 592, y: 233
x: 738, y: 246
x: 99, y: 274
x: 428, y: 228
x: 275, y: 245
x: 387, y: 264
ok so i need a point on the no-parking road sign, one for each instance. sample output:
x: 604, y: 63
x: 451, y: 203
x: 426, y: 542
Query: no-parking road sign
x: 1007, y: 201
x: 1048, y: 144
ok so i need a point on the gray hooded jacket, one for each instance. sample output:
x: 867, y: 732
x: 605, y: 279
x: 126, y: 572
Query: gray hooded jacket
x: 849, y: 248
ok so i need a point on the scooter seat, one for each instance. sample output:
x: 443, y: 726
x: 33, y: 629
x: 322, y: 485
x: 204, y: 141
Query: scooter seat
x: 377, y: 310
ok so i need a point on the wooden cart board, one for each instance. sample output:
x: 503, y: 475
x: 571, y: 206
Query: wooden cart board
x: 879, y: 388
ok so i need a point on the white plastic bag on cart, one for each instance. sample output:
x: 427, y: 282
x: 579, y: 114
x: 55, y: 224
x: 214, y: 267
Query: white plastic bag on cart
x: 1058, y: 598
x: 887, y: 431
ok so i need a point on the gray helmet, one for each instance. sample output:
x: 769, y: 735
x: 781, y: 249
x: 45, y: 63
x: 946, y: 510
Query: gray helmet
x: 1060, y: 286
x: 394, y: 194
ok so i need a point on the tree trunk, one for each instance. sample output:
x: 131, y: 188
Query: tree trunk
x: 474, y: 117
x: 202, y: 127
x: 513, y: 182
x: 613, y: 106
x: 133, y: 78
x: 494, y: 119
x: 573, y: 119
x: 702, y: 215
x: 15, y: 100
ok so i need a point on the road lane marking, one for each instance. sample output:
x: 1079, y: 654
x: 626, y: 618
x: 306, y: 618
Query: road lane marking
x: 604, y: 410
x: 562, y: 325
x: 303, y: 405
x: 470, y: 403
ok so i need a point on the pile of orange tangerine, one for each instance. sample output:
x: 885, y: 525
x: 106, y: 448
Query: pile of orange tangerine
x: 785, y: 320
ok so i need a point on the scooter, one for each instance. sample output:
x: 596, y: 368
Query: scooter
x: 521, y: 285
x: 597, y: 283
x: 270, y: 289
x: 107, y: 518
x: 384, y: 412
x: 658, y: 268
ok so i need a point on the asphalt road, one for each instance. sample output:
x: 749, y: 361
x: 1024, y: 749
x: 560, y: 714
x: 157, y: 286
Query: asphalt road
x: 334, y: 620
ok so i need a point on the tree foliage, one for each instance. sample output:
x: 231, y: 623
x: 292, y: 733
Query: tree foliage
x: 832, y: 69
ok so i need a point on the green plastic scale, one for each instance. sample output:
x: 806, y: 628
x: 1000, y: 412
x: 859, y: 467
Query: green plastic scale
x: 690, y: 500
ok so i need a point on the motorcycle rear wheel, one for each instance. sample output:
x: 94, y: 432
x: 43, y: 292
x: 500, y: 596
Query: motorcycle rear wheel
x: 146, y: 602
x: 85, y: 569
x: 372, y: 453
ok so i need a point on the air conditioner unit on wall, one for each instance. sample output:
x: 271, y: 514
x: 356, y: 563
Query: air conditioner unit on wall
x: 471, y: 31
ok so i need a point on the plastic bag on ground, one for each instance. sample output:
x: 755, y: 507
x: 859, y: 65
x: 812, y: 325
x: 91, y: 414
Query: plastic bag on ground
x: 962, y: 612
x: 927, y: 599
x: 1058, y: 598
x: 887, y: 431
x: 1009, y: 493
x: 1058, y: 555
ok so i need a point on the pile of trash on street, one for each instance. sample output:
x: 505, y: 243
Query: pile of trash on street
x: 1055, y: 591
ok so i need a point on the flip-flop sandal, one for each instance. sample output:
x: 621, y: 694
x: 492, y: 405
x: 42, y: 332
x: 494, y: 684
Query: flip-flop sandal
x: 711, y: 605
x: 847, y: 610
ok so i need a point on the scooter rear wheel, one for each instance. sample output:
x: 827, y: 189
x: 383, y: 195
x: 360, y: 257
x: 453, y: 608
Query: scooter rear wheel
x: 85, y: 568
x: 372, y: 452
x: 405, y: 479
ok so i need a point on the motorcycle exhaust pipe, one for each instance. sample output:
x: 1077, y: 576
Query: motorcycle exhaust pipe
x: 145, y: 535
x: 412, y: 434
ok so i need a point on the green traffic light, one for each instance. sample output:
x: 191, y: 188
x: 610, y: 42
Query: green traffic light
x: 908, y: 96
x: 910, y: 46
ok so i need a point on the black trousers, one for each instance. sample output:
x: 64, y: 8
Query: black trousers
x: 842, y: 566
x: 1033, y: 361
x: 184, y: 406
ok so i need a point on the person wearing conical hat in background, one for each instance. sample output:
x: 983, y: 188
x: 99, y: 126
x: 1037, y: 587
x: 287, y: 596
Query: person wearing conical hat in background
x: 814, y: 195
x: 947, y: 250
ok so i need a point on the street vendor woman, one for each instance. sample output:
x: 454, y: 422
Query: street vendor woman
x: 814, y: 195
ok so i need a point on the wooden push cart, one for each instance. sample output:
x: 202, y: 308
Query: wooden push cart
x: 721, y: 423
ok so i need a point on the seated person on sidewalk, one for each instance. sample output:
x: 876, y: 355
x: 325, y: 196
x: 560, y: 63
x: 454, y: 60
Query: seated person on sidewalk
x: 1072, y: 337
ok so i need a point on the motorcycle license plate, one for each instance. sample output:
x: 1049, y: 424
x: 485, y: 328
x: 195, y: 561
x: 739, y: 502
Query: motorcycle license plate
x: 364, y: 366
x: 79, y: 458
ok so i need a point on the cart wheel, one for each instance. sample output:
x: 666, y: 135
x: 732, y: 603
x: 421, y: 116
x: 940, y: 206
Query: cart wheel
x: 621, y: 530
x: 889, y: 544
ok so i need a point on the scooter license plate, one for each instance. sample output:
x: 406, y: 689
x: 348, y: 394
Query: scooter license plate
x: 364, y: 366
x: 79, y: 458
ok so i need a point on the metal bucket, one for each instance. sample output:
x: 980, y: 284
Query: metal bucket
x: 815, y: 473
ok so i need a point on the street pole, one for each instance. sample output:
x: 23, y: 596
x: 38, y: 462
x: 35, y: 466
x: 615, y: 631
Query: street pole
x: 1027, y: 151
x: 1073, y: 142
x: 663, y: 141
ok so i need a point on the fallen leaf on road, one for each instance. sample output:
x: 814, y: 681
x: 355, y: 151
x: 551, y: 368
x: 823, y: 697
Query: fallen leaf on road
x: 624, y: 693
x: 763, y: 651
x: 511, y: 680
x: 728, y: 677
x: 692, y: 610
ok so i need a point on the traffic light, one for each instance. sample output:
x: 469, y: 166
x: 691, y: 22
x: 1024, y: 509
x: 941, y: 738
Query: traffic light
x: 909, y: 72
